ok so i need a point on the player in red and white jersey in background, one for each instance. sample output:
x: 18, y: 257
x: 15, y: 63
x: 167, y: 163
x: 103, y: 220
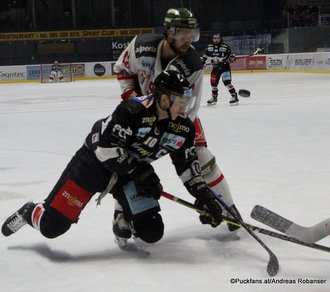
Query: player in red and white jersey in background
x: 143, y: 59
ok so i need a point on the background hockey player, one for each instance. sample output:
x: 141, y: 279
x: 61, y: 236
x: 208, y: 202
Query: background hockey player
x: 138, y: 132
x: 56, y: 72
x: 221, y: 56
x: 146, y: 56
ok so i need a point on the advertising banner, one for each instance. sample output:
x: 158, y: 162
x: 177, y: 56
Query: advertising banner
x: 277, y: 62
x: 73, y: 34
x: 256, y: 63
x: 12, y: 73
x: 98, y: 70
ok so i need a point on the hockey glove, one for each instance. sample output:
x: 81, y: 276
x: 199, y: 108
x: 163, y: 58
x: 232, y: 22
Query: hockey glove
x: 205, y: 201
x: 146, y: 181
x: 131, y: 93
x: 211, y: 210
x: 203, y: 61
x: 232, y: 58
x: 216, y: 60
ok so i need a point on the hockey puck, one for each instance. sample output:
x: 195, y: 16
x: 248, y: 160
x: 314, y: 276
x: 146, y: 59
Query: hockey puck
x: 244, y: 93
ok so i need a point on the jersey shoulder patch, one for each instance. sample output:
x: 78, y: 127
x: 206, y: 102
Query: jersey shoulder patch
x: 136, y: 104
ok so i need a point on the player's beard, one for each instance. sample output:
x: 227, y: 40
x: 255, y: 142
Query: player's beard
x: 180, y: 50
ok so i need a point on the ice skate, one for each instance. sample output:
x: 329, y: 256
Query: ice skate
x: 234, y: 99
x: 121, y: 228
x: 212, y: 101
x: 17, y: 220
x: 234, y: 210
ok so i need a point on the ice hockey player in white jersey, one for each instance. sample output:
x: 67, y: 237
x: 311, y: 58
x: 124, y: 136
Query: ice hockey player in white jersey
x: 145, y: 57
x: 221, y: 56
x: 56, y: 73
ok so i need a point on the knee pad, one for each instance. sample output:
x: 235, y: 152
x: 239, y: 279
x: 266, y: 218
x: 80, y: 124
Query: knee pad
x: 52, y: 227
x: 149, y: 228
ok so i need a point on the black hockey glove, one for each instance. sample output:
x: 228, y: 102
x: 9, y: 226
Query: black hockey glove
x: 205, y: 201
x: 232, y: 58
x: 211, y: 210
x: 203, y: 61
x: 146, y: 181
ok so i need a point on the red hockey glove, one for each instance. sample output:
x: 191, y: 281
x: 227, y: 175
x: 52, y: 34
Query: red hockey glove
x: 131, y: 93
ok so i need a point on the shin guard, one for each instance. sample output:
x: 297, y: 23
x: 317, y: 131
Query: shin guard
x: 213, y: 175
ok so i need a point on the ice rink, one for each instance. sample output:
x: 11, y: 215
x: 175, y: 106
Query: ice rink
x: 274, y: 150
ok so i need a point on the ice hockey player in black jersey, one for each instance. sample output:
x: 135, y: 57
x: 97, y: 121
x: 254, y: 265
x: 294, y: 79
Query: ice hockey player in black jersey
x: 122, y: 145
x: 221, y: 56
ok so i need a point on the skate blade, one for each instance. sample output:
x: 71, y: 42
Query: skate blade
x: 234, y: 103
x: 125, y: 245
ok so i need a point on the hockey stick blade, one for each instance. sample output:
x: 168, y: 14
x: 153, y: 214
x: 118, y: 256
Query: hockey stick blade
x: 305, y: 234
x: 252, y: 227
x: 272, y: 266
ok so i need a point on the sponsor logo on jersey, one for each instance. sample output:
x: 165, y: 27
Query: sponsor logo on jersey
x: 177, y: 127
x: 142, y: 132
x: 122, y: 132
x: 147, y: 64
x: 223, y: 49
x: 190, y: 152
x: 183, y: 67
x: 140, y: 150
x: 142, y: 49
x: 72, y: 201
x: 172, y: 141
x: 148, y: 120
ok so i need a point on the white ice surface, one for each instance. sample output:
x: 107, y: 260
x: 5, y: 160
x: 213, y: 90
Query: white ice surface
x: 274, y: 150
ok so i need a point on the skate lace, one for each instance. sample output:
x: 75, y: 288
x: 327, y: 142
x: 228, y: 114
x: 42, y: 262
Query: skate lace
x: 16, y: 223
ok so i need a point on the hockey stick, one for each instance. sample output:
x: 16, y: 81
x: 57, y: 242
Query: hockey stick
x: 306, y: 234
x: 273, y: 265
x: 238, y: 57
x: 252, y: 227
x: 245, y: 56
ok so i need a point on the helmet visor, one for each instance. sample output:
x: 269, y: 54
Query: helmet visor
x: 186, y: 34
x: 184, y: 101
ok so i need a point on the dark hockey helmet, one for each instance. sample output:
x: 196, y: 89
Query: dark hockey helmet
x: 172, y: 82
x: 177, y: 19
x: 216, y: 36
x: 176, y: 87
x: 180, y: 17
